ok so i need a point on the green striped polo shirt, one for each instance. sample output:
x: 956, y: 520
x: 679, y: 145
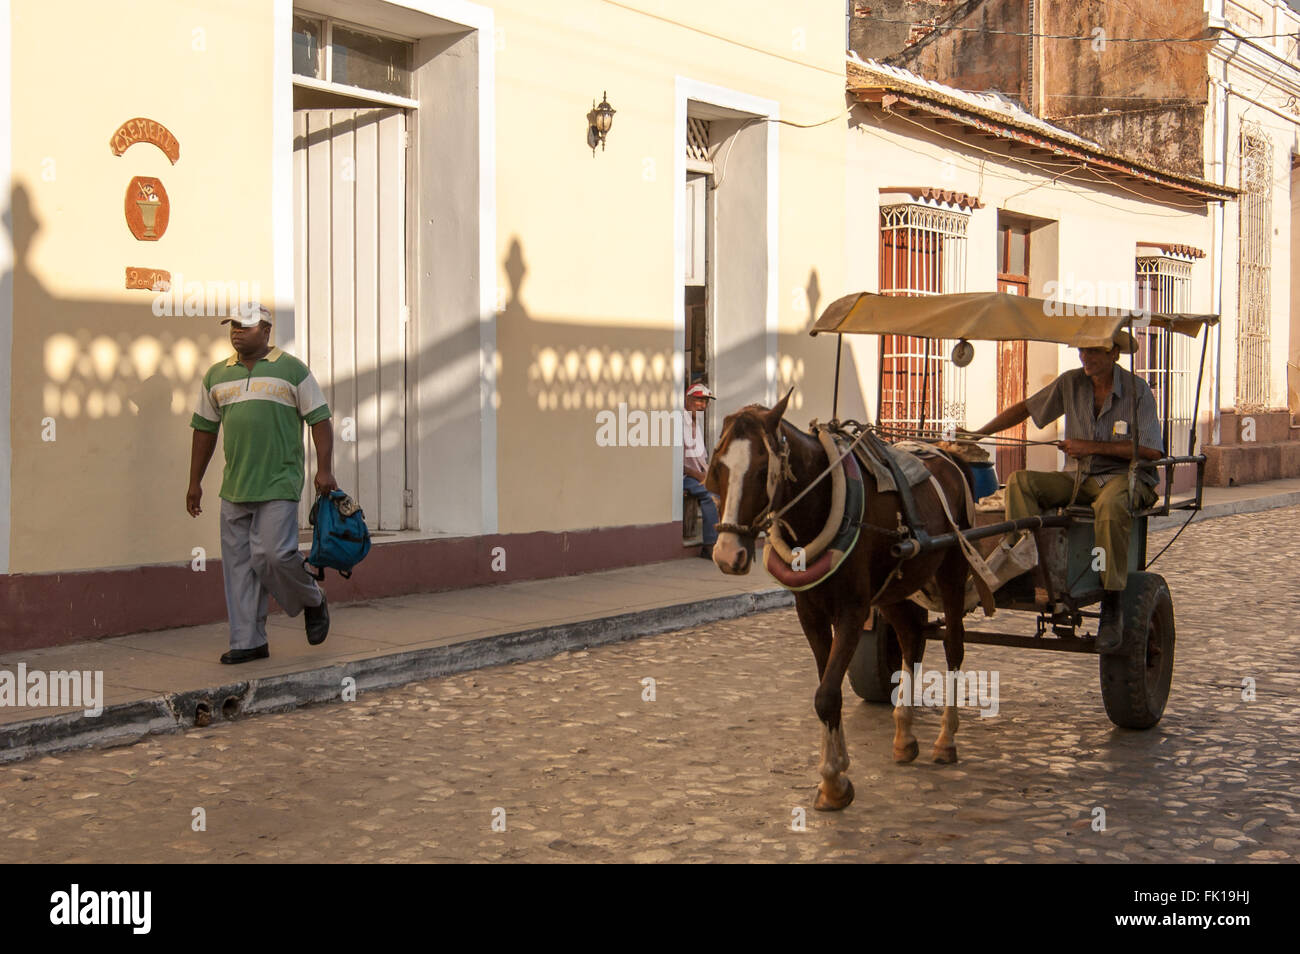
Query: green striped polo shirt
x: 262, y: 411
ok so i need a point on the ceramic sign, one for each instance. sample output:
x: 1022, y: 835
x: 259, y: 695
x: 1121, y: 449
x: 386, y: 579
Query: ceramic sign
x: 145, y: 130
x: 147, y: 208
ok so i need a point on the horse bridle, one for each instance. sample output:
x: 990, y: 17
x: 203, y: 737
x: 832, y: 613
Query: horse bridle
x: 765, y: 517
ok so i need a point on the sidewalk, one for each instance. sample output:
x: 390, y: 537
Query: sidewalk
x: 168, y: 680
x: 1248, y: 498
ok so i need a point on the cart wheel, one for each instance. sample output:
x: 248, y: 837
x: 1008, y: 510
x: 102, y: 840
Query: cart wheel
x: 1135, y: 681
x: 876, y: 660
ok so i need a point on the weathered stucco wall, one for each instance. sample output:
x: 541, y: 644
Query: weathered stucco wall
x: 1083, y: 77
x: 881, y: 28
x: 1170, y: 136
x: 984, y: 61
x: 1144, y: 99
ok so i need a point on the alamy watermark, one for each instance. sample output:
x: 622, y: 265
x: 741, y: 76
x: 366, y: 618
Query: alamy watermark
x: 61, y: 688
x: 977, y: 688
x: 1084, y: 298
x: 76, y: 907
x: 213, y: 299
x: 637, y: 428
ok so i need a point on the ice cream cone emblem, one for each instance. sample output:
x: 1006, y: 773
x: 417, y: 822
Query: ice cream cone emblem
x: 147, y: 208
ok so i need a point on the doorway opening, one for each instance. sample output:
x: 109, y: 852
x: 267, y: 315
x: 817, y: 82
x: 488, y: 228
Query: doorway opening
x: 697, y: 301
x: 353, y: 103
x: 1013, y: 356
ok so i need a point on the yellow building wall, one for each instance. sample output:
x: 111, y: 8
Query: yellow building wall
x: 117, y: 381
x: 585, y: 248
x: 586, y: 243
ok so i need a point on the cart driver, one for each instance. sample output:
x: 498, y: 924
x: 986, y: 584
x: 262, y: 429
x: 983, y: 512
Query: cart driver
x: 1095, y: 400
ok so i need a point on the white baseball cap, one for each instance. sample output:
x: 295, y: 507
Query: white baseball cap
x: 249, y: 315
x: 699, y: 390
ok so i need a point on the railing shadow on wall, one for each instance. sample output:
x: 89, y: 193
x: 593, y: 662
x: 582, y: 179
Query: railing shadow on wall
x: 118, y: 384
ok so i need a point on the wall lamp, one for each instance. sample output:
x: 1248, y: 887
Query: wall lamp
x: 599, y: 120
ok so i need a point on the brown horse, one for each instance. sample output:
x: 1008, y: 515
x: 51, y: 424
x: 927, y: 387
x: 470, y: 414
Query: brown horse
x: 747, y: 474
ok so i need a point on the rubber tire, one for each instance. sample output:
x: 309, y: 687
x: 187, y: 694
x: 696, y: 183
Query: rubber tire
x: 877, y: 659
x: 1135, y: 681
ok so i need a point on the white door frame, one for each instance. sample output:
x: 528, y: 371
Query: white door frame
x: 6, y: 286
x: 478, y: 464
x: 685, y: 92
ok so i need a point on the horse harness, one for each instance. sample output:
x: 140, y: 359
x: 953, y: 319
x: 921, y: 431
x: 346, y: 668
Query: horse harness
x: 766, y: 517
x: 910, y: 523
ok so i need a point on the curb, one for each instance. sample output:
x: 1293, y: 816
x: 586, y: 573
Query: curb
x: 129, y: 722
x: 1228, y: 508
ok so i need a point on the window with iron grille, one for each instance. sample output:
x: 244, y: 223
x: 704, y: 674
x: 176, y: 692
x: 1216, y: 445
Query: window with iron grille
x: 922, y: 252
x: 1167, y: 361
x: 1254, y: 268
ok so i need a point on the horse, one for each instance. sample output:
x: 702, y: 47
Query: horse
x: 748, y: 473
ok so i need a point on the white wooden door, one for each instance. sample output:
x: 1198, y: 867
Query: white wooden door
x: 350, y: 260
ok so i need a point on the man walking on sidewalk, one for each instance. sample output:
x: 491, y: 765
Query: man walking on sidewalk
x: 261, y: 395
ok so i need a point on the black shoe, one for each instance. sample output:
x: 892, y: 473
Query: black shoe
x: 246, y: 655
x: 318, y: 621
x: 706, y: 551
x: 1110, y: 634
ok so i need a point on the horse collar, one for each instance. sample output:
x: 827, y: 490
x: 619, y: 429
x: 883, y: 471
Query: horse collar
x: 792, y: 575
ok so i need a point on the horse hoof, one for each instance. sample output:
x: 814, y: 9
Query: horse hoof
x: 945, y: 755
x: 906, y: 754
x: 826, y: 803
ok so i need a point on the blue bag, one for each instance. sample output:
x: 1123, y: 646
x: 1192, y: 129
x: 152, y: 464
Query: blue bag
x: 340, y: 538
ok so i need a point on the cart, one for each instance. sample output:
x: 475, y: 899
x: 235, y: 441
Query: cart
x: 1136, y: 678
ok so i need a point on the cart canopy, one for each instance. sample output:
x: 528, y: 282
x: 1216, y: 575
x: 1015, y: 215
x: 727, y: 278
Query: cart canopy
x: 991, y: 316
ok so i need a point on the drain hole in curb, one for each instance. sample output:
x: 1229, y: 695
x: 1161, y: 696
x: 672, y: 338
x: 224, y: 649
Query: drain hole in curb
x: 230, y: 708
x: 202, y: 714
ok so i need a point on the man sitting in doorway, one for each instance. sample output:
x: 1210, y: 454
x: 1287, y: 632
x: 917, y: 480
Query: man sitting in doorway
x: 1095, y: 400
x: 695, y: 462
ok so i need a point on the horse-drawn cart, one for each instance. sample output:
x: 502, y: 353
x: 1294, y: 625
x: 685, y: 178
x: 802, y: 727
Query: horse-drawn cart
x: 1136, y: 678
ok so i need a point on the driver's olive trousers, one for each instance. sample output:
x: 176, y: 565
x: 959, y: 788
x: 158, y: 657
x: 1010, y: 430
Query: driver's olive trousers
x: 1030, y: 492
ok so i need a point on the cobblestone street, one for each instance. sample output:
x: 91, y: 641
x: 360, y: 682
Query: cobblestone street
x: 723, y: 761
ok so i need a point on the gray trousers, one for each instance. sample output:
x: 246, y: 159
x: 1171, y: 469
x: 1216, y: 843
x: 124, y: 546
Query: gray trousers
x: 259, y: 557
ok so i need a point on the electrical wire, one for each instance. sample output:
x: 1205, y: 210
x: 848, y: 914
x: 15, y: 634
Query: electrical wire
x: 1268, y: 82
x: 1079, y: 193
x: 1045, y: 182
x: 1074, y: 36
x: 1119, y: 185
x: 717, y: 36
x: 717, y: 180
x: 788, y: 122
x: 1045, y: 165
x: 1042, y: 165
